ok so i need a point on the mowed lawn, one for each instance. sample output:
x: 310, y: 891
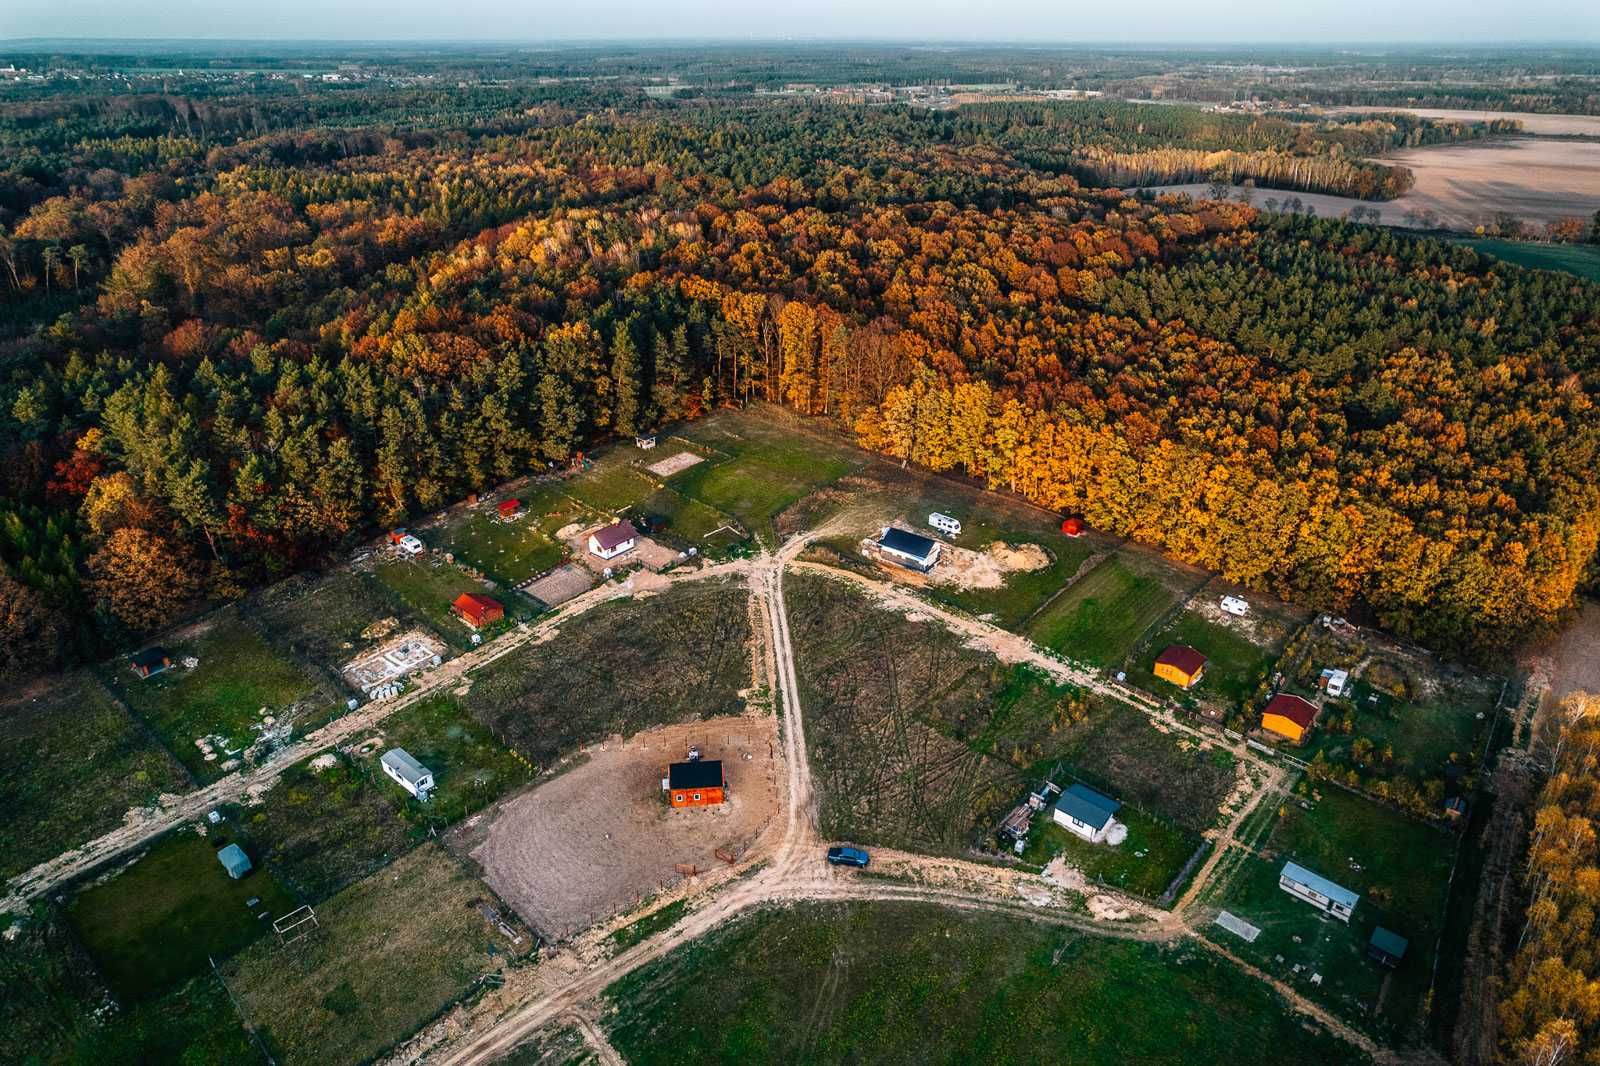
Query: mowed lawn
x: 611, y: 485
x: 71, y: 764
x: 1102, y: 616
x: 238, y: 674
x: 915, y: 984
x: 471, y: 768
x: 388, y: 954
x: 158, y: 921
x: 512, y: 552
x: 428, y: 586
x: 1400, y: 868
x: 1235, y: 667
x: 1144, y: 864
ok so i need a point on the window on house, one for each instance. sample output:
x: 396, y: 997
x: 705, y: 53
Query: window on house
x: 678, y: 798
x: 697, y: 797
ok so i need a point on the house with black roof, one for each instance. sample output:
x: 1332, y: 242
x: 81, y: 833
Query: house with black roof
x: 908, y: 549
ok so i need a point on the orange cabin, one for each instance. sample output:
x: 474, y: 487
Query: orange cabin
x: 696, y: 783
x: 477, y: 610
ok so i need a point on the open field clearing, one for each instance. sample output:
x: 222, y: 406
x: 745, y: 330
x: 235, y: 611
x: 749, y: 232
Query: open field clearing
x: 1239, y: 653
x: 1103, y: 615
x: 240, y: 688
x: 1401, y: 869
x: 611, y: 485
x: 331, y: 620
x: 323, y: 826
x: 72, y: 763
x: 471, y: 768
x: 57, y: 1010
x: 388, y: 954
x: 1580, y: 259
x: 600, y: 837
x: 627, y: 665
x: 1533, y: 122
x: 683, y: 519
x: 429, y: 585
x: 1575, y: 655
x: 154, y: 923
x: 909, y: 983
x: 512, y: 552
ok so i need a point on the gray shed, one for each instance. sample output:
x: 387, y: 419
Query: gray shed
x: 234, y: 860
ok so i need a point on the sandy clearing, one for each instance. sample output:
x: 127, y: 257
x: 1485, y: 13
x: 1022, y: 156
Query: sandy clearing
x: 674, y: 464
x: 1533, y: 123
x: 599, y: 838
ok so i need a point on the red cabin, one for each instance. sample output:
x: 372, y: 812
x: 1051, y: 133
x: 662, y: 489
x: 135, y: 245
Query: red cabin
x: 696, y: 783
x: 510, y: 509
x: 477, y: 610
x: 1072, y: 527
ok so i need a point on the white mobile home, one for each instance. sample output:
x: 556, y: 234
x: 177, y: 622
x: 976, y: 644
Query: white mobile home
x: 1235, y: 606
x: 408, y: 772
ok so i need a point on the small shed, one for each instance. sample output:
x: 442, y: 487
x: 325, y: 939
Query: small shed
x: 234, y: 860
x: 1321, y: 893
x: 911, y: 550
x: 477, y: 610
x: 1181, y: 665
x: 1087, y: 813
x: 613, y: 540
x: 1288, y: 716
x: 408, y: 773
x: 1387, y: 947
x: 152, y: 661
x: 1455, y: 808
x: 695, y: 783
x: 644, y: 441
x: 509, y: 509
x: 1072, y: 527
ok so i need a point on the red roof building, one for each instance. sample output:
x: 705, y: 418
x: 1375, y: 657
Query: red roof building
x: 1288, y: 716
x: 509, y: 509
x: 1181, y: 665
x: 1072, y: 527
x: 477, y: 610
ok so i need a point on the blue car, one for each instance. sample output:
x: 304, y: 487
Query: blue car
x: 848, y: 857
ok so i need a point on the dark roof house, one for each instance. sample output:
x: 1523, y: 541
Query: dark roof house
x: 696, y: 773
x: 909, y: 549
x: 1083, y: 803
x: 1387, y: 947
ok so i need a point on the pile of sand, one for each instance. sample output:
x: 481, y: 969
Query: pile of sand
x: 964, y: 568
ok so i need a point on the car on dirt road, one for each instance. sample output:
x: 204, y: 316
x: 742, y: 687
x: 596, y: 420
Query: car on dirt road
x: 848, y: 857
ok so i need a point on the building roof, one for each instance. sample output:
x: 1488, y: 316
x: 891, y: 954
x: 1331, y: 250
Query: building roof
x: 476, y: 601
x: 906, y: 543
x: 614, y: 535
x: 1389, y: 942
x: 151, y: 658
x: 1319, y: 884
x: 510, y: 506
x: 1297, y: 710
x: 696, y: 773
x: 1084, y: 804
x: 233, y: 859
x: 400, y: 761
x: 1183, y: 657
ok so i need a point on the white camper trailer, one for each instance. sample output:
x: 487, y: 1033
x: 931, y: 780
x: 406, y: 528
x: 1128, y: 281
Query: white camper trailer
x: 950, y: 527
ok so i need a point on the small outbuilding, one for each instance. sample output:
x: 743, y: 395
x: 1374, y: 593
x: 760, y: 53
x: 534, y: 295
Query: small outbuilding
x: 695, y: 783
x: 644, y: 441
x: 910, y: 550
x: 613, y: 540
x: 477, y: 610
x: 1334, y: 682
x: 1072, y: 527
x: 1387, y: 948
x: 509, y: 510
x: 408, y: 773
x: 1084, y: 812
x: 1288, y: 716
x: 234, y: 860
x: 1181, y: 665
x: 1455, y: 808
x: 1321, y: 893
x: 151, y: 662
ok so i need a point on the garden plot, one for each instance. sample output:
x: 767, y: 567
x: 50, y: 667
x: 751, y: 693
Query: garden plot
x: 389, y: 953
x: 600, y: 838
x: 401, y: 657
x: 1106, y: 612
x: 511, y: 552
x: 429, y: 586
x: 626, y: 665
x: 561, y: 584
x: 72, y: 763
x: 240, y: 697
x: 675, y: 464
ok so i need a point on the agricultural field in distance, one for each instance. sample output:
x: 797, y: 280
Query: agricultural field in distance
x: 388, y: 954
x: 1400, y: 867
x: 624, y: 666
x: 239, y: 682
x: 913, y: 983
x: 71, y: 763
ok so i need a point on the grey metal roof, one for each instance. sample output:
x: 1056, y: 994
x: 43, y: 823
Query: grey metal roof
x: 401, y: 762
x: 234, y: 860
x: 1319, y: 884
x: 906, y: 542
x: 1084, y: 804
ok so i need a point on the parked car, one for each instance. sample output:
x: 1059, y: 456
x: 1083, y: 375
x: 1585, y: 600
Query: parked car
x: 848, y: 857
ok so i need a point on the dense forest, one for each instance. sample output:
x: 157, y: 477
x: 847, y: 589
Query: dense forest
x: 241, y: 332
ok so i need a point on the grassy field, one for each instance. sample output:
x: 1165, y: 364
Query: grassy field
x: 389, y: 953
x: 909, y: 983
x: 238, y: 675
x: 471, y: 769
x: 324, y: 619
x: 1101, y: 617
x: 1144, y: 864
x: 770, y: 465
x: 322, y: 829
x: 1402, y: 879
x: 649, y: 925
x: 1235, y: 667
x: 511, y: 552
x: 611, y: 485
x: 428, y: 586
x: 153, y: 924
x: 620, y: 668
x: 682, y: 519
x: 71, y: 763
x: 1580, y: 259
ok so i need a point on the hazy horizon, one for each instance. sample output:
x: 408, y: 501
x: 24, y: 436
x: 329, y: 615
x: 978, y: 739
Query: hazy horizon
x: 1424, y: 23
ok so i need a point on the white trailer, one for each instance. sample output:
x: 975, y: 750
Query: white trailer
x: 950, y: 527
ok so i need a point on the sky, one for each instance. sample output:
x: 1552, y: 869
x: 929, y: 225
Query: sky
x: 1043, y: 21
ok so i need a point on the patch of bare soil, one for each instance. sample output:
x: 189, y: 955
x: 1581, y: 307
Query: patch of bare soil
x: 600, y: 838
x: 1575, y: 656
x: 963, y: 568
x: 674, y: 464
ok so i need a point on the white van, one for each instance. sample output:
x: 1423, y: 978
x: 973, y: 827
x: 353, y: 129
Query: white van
x: 950, y: 527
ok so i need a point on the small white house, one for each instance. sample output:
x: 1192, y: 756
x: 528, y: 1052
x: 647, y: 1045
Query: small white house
x: 408, y: 773
x: 1089, y: 814
x: 950, y: 527
x: 613, y: 540
x: 1235, y: 606
x: 410, y: 545
x: 1335, y: 682
x: 908, y: 549
x: 1318, y: 891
